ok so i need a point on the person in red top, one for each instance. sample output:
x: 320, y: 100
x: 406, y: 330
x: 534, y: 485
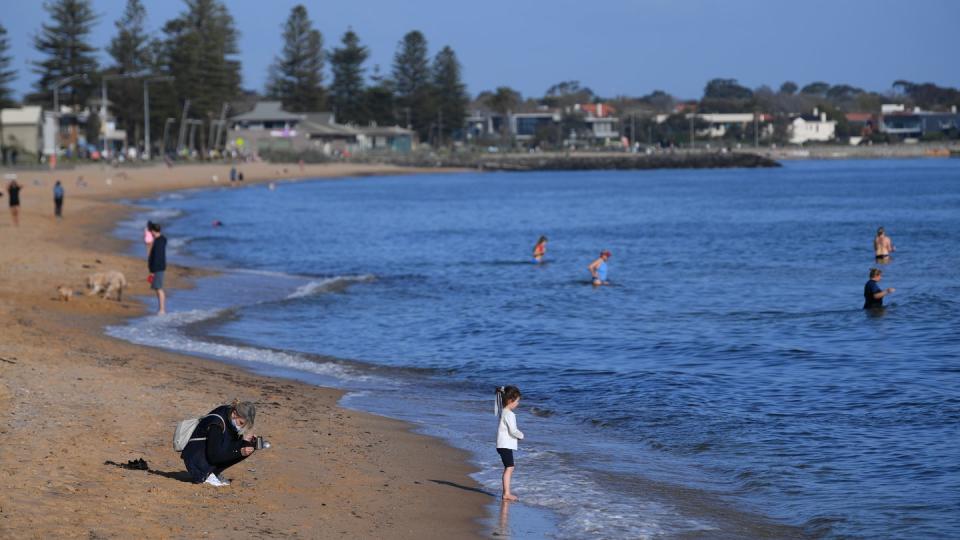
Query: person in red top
x: 540, y: 250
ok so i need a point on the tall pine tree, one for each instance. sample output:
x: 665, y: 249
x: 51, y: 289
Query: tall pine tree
x: 450, y: 95
x: 296, y: 77
x: 411, y: 83
x: 7, y: 75
x: 64, y: 44
x: 346, y: 91
x: 199, y: 52
x: 379, y: 104
x: 131, y: 52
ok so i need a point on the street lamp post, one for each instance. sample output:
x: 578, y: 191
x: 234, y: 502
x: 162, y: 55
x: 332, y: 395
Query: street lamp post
x: 166, y: 128
x: 146, y: 111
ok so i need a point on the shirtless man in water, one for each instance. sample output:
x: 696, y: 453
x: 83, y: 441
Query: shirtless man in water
x: 882, y: 246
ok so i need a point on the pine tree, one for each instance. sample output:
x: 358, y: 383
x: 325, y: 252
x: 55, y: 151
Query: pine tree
x: 67, y: 51
x: 7, y: 75
x: 450, y: 95
x: 379, y: 104
x: 199, y: 52
x: 411, y: 82
x: 132, y: 54
x: 346, y: 91
x: 296, y: 77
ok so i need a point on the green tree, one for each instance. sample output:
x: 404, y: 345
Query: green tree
x: 503, y: 101
x: 450, y: 94
x: 64, y: 45
x: 818, y: 88
x: 347, y: 89
x: 411, y: 82
x: 789, y: 88
x: 296, y: 77
x: 7, y: 75
x: 726, y: 89
x: 199, y: 52
x: 131, y: 53
x: 379, y: 103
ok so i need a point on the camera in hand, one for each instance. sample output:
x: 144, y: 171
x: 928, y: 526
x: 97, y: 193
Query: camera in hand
x: 257, y: 443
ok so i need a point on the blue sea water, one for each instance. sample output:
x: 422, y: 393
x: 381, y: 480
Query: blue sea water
x: 726, y: 384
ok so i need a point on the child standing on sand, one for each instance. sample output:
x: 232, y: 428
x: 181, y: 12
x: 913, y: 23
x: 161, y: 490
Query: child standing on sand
x: 508, y: 398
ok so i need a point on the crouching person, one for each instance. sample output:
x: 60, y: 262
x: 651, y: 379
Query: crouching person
x: 222, y: 439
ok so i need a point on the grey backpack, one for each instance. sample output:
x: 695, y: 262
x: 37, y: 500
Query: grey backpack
x: 185, y: 428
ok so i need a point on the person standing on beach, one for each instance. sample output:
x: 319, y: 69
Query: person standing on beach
x: 58, y: 199
x: 872, y: 293
x: 882, y: 247
x: 13, y: 199
x: 233, y: 174
x: 508, y: 398
x: 598, y: 268
x: 540, y: 250
x: 157, y: 264
x: 148, y: 237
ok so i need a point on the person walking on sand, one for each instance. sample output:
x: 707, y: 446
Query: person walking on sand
x: 598, y: 268
x: 540, y: 250
x: 58, y: 199
x: 13, y: 199
x: 882, y: 247
x: 873, y: 295
x: 508, y: 398
x: 157, y: 264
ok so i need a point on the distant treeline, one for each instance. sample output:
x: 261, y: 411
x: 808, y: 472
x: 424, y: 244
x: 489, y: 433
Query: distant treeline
x: 195, y: 59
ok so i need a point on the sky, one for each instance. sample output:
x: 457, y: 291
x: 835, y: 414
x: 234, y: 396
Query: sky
x: 615, y: 47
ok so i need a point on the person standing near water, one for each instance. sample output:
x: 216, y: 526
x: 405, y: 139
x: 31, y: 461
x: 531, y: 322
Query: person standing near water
x: 882, y: 247
x: 13, y: 199
x: 872, y: 293
x: 540, y: 250
x: 508, y: 398
x: 157, y: 264
x: 598, y: 268
x: 58, y: 199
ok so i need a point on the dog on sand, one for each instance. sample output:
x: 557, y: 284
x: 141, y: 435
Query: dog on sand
x: 106, y: 284
x: 64, y: 293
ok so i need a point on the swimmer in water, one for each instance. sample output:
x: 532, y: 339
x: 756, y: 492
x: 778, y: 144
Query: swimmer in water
x: 598, y: 268
x: 873, y: 295
x: 540, y: 250
x: 882, y: 247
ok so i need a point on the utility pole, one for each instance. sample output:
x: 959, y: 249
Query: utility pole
x: 692, y: 140
x: 222, y: 126
x: 166, y: 129
x: 439, y: 127
x: 756, y: 130
x: 146, y: 111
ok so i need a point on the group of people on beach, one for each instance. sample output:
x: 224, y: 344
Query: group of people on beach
x: 13, y: 200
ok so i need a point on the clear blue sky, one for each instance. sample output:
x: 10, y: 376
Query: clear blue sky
x: 615, y: 47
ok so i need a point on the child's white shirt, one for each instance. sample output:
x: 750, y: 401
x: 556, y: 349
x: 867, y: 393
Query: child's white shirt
x: 507, y: 432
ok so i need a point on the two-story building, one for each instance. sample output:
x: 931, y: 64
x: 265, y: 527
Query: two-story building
x: 812, y: 128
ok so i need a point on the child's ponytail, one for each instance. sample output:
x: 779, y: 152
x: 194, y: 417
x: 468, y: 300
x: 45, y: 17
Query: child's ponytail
x: 498, y: 401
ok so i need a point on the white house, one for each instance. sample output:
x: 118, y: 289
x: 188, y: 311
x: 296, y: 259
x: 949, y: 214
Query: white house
x: 22, y: 128
x: 812, y: 128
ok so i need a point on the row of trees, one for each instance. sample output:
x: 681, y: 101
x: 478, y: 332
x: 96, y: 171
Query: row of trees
x: 195, y: 63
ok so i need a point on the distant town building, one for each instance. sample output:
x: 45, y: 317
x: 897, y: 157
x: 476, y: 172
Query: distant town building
x: 812, y: 128
x: 718, y: 124
x: 22, y: 129
x: 604, y: 125
x: 269, y: 127
x: 918, y: 123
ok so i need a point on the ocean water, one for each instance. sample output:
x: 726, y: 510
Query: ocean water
x: 726, y: 384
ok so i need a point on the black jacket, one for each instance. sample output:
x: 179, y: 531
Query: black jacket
x: 158, y: 255
x: 219, y: 451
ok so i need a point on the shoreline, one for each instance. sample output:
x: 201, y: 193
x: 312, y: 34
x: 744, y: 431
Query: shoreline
x: 65, y: 381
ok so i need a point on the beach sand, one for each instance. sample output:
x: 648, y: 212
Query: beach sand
x: 72, y: 398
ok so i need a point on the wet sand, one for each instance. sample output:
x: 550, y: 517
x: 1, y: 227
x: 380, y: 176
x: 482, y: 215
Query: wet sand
x: 72, y: 398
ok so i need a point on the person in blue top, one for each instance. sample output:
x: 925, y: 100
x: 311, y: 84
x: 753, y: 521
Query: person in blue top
x: 58, y: 199
x: 598, y: 268
x: 872, y: 293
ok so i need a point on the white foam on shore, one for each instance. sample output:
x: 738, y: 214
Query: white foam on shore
x: 332, y: 284
x: 165, y: 332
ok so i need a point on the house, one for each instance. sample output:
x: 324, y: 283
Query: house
x: 813, y: 127
x: 602, y: 120
x: 718, y: 124
x: 917, y: 123
x: 386, y: 138
x: 22, y: 129
x: 533, y: 121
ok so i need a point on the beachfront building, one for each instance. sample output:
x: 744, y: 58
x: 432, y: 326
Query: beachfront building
x: 812, y: 128
x: 21, y: 130
x: 603, y: 124
x: 918, y: 123
x: 718, y: 125
x: 269, y: 127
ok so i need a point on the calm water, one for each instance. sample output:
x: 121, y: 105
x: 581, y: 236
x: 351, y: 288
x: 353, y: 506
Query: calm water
x: 726, y: 383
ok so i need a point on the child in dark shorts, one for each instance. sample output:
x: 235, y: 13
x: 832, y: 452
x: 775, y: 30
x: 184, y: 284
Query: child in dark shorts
x: 508, y: 398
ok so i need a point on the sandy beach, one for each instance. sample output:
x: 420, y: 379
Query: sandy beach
x: 72, y: 399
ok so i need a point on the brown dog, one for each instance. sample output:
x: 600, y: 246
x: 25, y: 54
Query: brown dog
x: 64, y: 293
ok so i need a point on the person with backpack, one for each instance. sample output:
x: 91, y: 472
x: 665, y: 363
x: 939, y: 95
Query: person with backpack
x: 222, y: 438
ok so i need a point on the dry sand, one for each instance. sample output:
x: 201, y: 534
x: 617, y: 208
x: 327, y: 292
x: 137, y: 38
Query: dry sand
x: 72, y: 399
